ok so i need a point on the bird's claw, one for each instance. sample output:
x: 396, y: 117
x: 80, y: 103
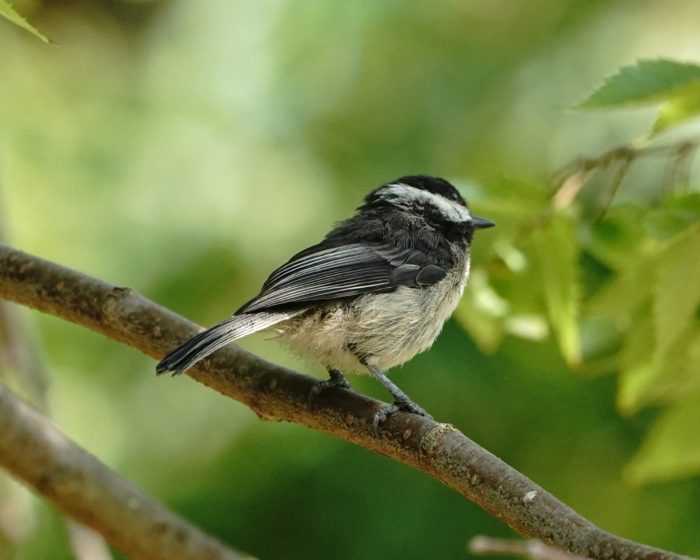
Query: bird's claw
x: 321, y: 386
x: 399, y: 406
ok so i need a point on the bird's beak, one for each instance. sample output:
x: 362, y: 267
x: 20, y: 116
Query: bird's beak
x: 481, y: 223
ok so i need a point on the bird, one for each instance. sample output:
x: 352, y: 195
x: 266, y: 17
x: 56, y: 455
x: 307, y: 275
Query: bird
x: 371, y: 295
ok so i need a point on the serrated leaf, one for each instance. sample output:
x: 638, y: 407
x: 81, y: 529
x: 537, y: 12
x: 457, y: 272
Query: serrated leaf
x: 677, y: 290
x: 672, y: 448
x: 661, y: 354
x: 647, y: 81
x: 8, y: 12
x: 684, y: 104
x: 556, y: 254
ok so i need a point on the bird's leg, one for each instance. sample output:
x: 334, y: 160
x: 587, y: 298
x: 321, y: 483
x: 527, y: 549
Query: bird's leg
x: 401, y: 399
x: 337, y: 379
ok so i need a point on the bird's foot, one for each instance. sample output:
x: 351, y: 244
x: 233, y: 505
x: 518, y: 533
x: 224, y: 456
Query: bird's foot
x: 337, y: 379
x: 399, y: 406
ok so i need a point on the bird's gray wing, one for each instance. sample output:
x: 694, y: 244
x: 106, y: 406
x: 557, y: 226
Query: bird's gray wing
x: 323, y: 273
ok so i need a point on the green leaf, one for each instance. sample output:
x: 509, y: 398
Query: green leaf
x: 625, y: 293
x: 672, y: 448
x: 529, y: 326
x: 481, y: 312
x: 7, y: 11
x: 637, y: 367
x: 673, y: 216
x: 683, y: 104
x: 677, y: 290
x: 599, y: 338
x: 556, y: 255
x: 619, y: 238
x: 652, y: 377
x: 660, y: 360
x: 647, y: 81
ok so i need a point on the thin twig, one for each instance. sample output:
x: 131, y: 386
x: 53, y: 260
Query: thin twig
x: 678, y: 169
x: 273, y: 392
x: 622, y: 169
x: 584, y: 168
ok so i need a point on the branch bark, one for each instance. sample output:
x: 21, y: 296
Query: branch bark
x: 276, y: 393
x: 37, y: 453
x: 24, y: 362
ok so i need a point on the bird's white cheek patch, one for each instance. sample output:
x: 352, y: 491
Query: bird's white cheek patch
x: 452, y: 211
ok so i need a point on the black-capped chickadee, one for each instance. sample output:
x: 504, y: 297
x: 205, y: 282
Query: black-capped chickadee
x: 373, y: 294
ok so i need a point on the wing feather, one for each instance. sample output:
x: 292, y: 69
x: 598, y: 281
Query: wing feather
x: 323, y: 273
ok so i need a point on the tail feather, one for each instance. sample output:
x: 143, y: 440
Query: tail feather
x: 206, y: 342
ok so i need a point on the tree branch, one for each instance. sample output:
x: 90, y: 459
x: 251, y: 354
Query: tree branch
x: 37, y: 453
x: 23, y: 361
x: 277, y: 393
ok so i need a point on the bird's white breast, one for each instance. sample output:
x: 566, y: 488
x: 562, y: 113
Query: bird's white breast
x: 389, y: 329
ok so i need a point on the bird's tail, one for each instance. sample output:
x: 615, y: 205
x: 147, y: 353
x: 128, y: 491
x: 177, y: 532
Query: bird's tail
x: 206, y: 342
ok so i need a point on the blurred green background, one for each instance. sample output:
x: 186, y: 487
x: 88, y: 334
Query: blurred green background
x: 186, y: 149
